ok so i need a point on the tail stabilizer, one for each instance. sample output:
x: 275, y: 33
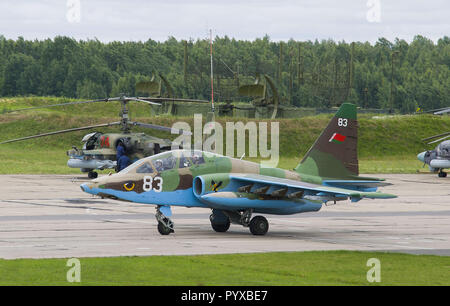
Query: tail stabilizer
x: 334, y: 154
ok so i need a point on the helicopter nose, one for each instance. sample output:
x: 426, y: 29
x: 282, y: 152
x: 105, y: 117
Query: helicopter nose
x: 421, y: 156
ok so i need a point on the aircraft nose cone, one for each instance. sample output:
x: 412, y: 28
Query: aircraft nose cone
x: 421, y: 156
x: 87, y: 187
x: 84, y: 187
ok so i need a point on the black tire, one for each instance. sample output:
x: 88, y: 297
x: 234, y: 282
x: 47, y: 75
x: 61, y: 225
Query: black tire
x: 92, y: 175
x: 259, y: 226
x: 442, y: 174
x: 221, y: 227
x: 163, y: 230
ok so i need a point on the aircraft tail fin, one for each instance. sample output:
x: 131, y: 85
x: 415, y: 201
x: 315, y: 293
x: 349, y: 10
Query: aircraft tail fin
x: 334, y: 154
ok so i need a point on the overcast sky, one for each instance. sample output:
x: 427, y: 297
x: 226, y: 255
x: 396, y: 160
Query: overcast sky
x: 108, y: 20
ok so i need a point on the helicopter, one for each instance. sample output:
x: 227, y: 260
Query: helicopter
x: 99, y: 149
x: 439, y: 158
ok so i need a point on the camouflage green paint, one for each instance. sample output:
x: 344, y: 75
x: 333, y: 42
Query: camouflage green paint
x: 276, y: 172
x: 171, y: 179
x: 223, y: 164
x: 222, y: 178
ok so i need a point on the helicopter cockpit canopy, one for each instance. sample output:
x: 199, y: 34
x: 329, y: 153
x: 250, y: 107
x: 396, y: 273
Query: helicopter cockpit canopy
x: 87, y: 136
x: 90, y: 140
x: 443, y: 149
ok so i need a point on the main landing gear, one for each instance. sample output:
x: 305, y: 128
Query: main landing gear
x: 92, y: 174
x: 221, y: 220
x: 165, y: 225
x: 259, y: 225
x: 442, y: 173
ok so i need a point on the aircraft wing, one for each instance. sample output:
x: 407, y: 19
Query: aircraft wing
x: 307, y: 187
x: 255, y: 186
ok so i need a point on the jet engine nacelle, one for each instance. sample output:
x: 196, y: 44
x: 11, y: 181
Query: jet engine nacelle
x: 204, y: 184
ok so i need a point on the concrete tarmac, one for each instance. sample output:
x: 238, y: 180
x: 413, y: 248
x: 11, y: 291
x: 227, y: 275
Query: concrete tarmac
x: 48, y: 216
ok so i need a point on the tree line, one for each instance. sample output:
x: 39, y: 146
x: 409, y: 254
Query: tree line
x: 399, y: 75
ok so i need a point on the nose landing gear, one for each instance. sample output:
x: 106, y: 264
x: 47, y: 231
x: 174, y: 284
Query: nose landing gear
x: 165, y: 225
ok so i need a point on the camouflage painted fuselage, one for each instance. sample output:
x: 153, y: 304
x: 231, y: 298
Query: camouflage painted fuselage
x: 192, y: 181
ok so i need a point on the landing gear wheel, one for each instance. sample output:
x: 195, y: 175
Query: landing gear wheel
x: 221, y: 227
x: 165, y: 225
x: 259, y: 226
x: 92, y: 174
x: 220, y: 222
x: 442, y: 174
x: 163, y: 229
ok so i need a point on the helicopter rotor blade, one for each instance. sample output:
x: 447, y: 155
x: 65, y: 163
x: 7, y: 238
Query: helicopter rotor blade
x: 161, y: 128
x: 440, y: 139
x: 444, y: 111
x: 140, y: 100
x: 172, y: 100
x: 63, y: 104
x: 437, y: 111
x: 431, y: 110
x: 62, y: 131
x: 243, y: 108
x: 149, y: 100
x: 436, y: 136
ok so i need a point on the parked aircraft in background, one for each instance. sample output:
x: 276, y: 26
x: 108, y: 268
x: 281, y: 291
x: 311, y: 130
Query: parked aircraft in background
x: 439, y: 158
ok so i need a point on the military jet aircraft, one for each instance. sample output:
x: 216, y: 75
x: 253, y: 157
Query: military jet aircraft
x: 439, y: 158
x: 236, y: 189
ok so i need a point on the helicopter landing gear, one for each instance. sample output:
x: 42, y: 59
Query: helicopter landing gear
x: 92, y: 174
x: 442, y: 173
x: 165, y: 225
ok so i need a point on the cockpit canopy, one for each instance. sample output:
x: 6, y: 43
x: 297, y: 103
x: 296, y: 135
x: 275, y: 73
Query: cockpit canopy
x: 166, y: 161
x: 90, y: 140
x: 87, y: 136
x: 443, y: 149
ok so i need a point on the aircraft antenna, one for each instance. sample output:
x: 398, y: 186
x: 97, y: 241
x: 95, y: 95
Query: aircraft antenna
x: 212, y: 71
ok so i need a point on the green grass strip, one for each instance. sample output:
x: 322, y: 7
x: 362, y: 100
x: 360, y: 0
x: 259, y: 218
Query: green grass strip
x: 287, y: 268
